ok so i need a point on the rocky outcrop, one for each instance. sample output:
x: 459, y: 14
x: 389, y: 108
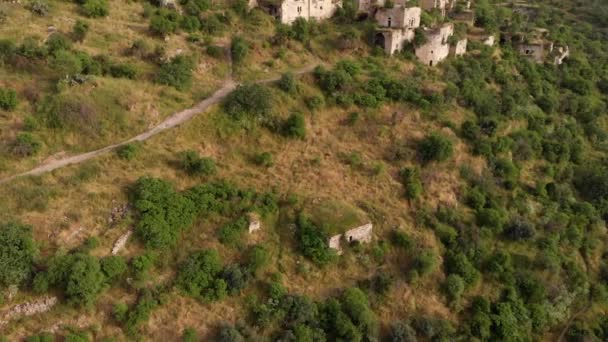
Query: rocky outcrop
x: 121, y: 242
x: 361, y: 234
x: 28, y: 309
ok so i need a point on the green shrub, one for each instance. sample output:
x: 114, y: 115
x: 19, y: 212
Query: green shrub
x: 17, y: 253
x: 39, y: 7
x: 176, y: 73
x: 190, y: 23
x: 475, y: 198
x: 215, y: 51
x: 402, y: 240
x: 80, y: 30
x: 42, y: 337
x: 162, y: 212
x: 295, y: 126
x: 199, y: 276
x: 239, y: 48
x: 113, y: 267
x: 490, y: 218
x: 314, y: 102
x: 313, y: 243
x: 232, y: 232
x: 123, y: 71
x: 142, y: 264
x: 454, y: 287
x: 251, y: 101
x: 458, y: 263
x: 190, y: 335
x: 95, y: 8
x: 425, y: 263
x: 120, y: 311
x: 288, y: 83
x: 263, y: 159
x: 193, y: 164
x: 78, y: 275
x: 257, y: 258
x: 26, y: 145
x: 128, y: 151
x: 410, y: 178
x: 435, y: 147
x: 8, y: 99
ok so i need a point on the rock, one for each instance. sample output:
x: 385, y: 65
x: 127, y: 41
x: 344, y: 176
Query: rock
x: 121, y: 242
x: 118, y: 213
x: 254, y: 223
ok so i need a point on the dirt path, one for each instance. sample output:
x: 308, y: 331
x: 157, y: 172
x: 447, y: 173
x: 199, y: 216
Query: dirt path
x: 174, y: 120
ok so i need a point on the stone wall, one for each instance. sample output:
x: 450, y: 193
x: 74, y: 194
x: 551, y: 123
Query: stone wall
x: 460, y: 48
x: 399, y: 17
x: 307, y: 9
x: 535, y: 52
x: 429, y: 5
x: 362, y: 234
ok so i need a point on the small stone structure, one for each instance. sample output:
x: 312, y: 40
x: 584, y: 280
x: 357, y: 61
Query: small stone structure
x: 437, y: 47
x: 362, y: 234
x: 464, y: 16
x: 287, y: 11
x: 560, y: 53
x: 167, y: 4
x: 460, y: 48
x: 254, y: 223
x: 489, y: 40
x: 397, y: 27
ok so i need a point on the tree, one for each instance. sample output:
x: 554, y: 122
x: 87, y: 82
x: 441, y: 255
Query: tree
x: 454, y: 287
x: 312, y: 242
x: 200, y: 276
x: 176, y: 73
x: 435, y: 147
x: 113, y: 267
x: 17, y: 253
x: 84, y: 281
x: 251, y: 101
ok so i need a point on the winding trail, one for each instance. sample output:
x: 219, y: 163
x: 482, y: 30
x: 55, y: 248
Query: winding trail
x: 174, y: 120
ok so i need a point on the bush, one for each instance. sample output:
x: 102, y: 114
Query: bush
x: 251, y: 101
x: 313, y: 243
x: 454, y: 287
x: 120, y: 312
x: 193, y: 164
x: 199, y: 276
x: 113, y: 267
x: 42, y: 337
x: 490, y: 218
x: 238, y: 49
x: 425, y: 263
x: 228, y: 333
x: 128, y: 151
x: 435, y: 147
x: 26, y: 145
x: 123, y: 71
x: 176, y: 73
x: 314, y: 102
x: 232, y: 232
x: 95, y: 8
x: 402, y: 332
x: 17, y: 253
x: 458, y: 263
x: 164, y: 22
x: 263, y: 159
x: 190, y: 335
x: 257, y: 258
x: 402, y: 240
x: 288, y: 83
x: 78, y: 275
x: 39, y: 7
x: 410, y: 178
x: 162, y: 212
x: 236, y: 278
x: 190, y: 23
x: 8, y: 99
x: 295, y: 126
x: 80, y: 30
x: 215, y: 51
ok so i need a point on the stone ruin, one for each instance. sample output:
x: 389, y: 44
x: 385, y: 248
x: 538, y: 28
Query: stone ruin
x: 28, y: 309
x: 121, y: 242
x: 287, y: 11
x: 437, y: 46
x: 361, y: 234
x: 254, y: 223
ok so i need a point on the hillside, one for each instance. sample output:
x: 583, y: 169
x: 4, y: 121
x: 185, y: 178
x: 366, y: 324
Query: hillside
x: 143, y: 143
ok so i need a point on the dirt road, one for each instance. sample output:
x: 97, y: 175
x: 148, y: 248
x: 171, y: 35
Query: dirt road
x: 174, y: 120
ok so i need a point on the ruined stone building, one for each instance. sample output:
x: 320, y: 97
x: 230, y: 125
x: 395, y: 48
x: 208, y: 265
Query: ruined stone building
x: 536, y: 46
x: 437, y: 46
x: 361, y: 234
x: 396, y: 27
x: 287, y: 11
x: 442, y: 5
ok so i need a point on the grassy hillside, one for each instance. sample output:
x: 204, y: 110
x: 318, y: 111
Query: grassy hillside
x: 485, y: 178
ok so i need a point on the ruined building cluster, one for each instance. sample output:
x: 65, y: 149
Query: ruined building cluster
x: 399, y: 22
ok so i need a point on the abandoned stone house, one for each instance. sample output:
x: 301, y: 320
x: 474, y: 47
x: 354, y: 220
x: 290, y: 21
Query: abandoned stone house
x: 397, y: 27
x: 287, y: 11
x: 361, y: 234
x: 437, y: 46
